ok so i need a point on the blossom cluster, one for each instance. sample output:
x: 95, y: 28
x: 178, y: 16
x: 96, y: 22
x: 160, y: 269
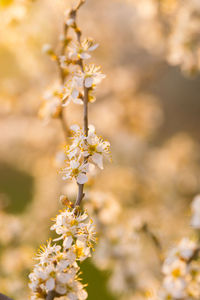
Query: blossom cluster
x: 51, y: 105
x: 119, y: 246
x: 182, y: 274
x: 172, y: 24
x: 78, y: 87
x: 181, y: 268
x: 57, y: 268
x: 174, y: 174
x: 88, y: 77
x: 184, y: 40
x: 79, y: 77
x: 83, y: 151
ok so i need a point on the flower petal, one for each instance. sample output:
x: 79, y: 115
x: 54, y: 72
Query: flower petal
x: 78, y: 101
x: 88, y: 82
x: 82, y: 178
x: 93, y: 47
x: 50, y: 284
x: 67, y: 242
x: 75, y: 127
x: 98, y: 160
x: 85, y: 55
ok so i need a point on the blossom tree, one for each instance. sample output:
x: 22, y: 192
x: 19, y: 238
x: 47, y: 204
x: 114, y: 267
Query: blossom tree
x: 119, y: 213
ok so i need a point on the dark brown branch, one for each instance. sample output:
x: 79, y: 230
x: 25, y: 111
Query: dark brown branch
x: 85, y: 112
x: 85, y: 129
x: 51, y: 295
x: 81, y: 194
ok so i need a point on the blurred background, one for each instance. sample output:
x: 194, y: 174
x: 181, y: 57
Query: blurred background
x: 147, y: 107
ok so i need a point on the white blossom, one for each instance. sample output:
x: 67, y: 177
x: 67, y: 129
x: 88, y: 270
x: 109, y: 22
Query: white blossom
x: 80, y: 51
x: 76, y: 169
x: 96, y: 147
x: 57, y: 269
x: 51, y: 105
x: 91, y: 147
x: 72, y: 92
x: 181, y: 271
x: 76, y: 231
x: 91, y: 76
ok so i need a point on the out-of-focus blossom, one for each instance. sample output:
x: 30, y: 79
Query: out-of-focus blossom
x: 181, y: 271
x: 195, y: 220
x: 51, y: 105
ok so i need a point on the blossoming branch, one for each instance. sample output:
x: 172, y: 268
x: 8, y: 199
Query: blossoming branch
x: 57, y: 272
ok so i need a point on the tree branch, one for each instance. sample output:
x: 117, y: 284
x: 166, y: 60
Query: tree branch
x: 51, y: 295
x: 145, y: 228
x: 81, y: 194
x: 194, y: 256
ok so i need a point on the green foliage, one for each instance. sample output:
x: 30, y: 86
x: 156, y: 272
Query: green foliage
x: 17, y: 186
x: 97, y: 282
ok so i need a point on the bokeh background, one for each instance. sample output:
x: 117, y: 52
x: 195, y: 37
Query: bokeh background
x: 147, y: 107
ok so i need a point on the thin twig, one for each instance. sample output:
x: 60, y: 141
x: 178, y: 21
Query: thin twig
x: 81, y: 194
x: 145, y: 228
x: 85, y: 112
x: 51, y: 295
x: 81, y: 2
x: 194, y: 256
x: 66, y: 41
